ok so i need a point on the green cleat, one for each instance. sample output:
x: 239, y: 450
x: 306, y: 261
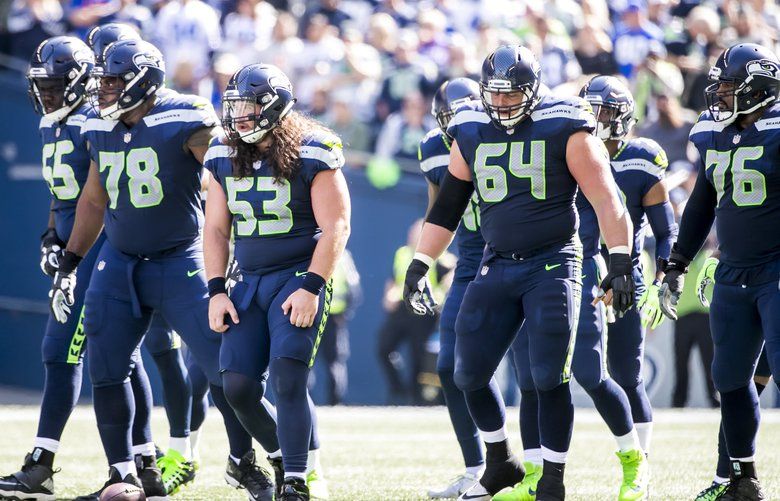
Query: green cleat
x: 525, y: 490
x: 636, y: 476
x: 176, y: 471
x: 713, y: 492
x: 318, y: 486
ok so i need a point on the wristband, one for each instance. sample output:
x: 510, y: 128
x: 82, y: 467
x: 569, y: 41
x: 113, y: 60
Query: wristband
x: 69, y: 262
x: 424, y: 258
x: 217, y: 286
x: 313, y: 283
x: 620, y: 249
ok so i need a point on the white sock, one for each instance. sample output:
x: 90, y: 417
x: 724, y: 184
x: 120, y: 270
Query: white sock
x: 533, y: 456
x: 645, y: 433
x: 182, y: 446
x: 146, y: 449
x: 720, y: 480
x: 235, y: 459
x: 313, y: 461
x: 475, y: 471
x: 275, y: 454
x: 628, y: 442
x: 49, y: 444
x: 194, y: 441
x: 750, y: 459
x: 125, y: 468
x: 554, y: 456
x: 498, y: 435
x: 294, y: 474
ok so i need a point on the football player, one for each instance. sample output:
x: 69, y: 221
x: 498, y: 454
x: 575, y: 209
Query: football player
x: 146, y: 152
x: 58, y: 79
x: 738, y: 187
x: 434, y: 156
x: 276, y: 181
x: 524, y: 154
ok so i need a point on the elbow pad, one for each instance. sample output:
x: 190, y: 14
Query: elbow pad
x: 661, y: 218
x: 448, y: 209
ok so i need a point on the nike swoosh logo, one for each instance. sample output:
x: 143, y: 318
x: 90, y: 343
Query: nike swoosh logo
x: 478, y: 496
x: 191, y: 274
x: 548, y: 267
x: 299, y: 273
x: 583, y: 276
x: 532, y: 492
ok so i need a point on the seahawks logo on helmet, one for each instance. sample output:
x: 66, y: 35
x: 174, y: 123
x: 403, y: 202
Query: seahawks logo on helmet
x: 142, y: 59
x: 763, y: 67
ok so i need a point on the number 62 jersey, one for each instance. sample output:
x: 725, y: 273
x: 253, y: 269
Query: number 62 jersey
x: 743, y: 168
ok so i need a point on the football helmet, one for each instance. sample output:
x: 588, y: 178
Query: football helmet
x: 104, y: 35
x: 510, y: 69
x: 613, y: 106
x: 449, y: 96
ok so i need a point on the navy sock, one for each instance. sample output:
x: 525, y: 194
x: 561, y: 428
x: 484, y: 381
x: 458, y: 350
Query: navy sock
x: 529, y: 419
x: 245, y: 396
x: 722, y: 469
x: 239, y: 440
x: 60, y: 393
x: 465, y: 429
x: 142, y: 394
x: 200, y: 399
x: 177, y: 394
x: 114, y: 410
x: 486, y: 406
x: 556, y: 418
x: 740, y: 417
x: 641, y: 410
x: 288, y: 379
x: 612, y: 403
x: 314, y: 441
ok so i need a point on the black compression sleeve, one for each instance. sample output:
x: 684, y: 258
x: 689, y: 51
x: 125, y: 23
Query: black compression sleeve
x: 697, y: 217
x: 454, y: 196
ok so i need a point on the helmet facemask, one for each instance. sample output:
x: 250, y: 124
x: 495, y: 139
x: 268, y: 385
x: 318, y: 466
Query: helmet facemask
x: 507, y: 116
x: 728, y: 98
x: 246, y: 118
x: 55, y: 97
x: 611, y: 122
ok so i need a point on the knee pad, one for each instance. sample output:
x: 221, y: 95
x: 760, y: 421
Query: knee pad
x: 627, y: 377
x: 467, y: 380
x: 289, y: 378
x: 546, y: 378
x: 240, y: 391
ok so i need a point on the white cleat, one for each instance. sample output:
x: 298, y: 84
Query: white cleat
x: 476, y: 493
x: 457, y: 486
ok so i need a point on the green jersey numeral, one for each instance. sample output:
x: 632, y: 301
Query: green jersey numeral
x: 277, y: 207
x: 142, y: 166
x: 748, y: 186
x: 69, y: 189
x: 492, y: 183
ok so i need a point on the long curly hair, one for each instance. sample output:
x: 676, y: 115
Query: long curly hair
x: 283, y: 155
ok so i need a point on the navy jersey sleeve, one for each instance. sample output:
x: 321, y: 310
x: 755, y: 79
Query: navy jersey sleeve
x: 434, y: 156
x: 213, y: 159
x: 464, y: 127
x: 321, y: 151
x: 188, y: 113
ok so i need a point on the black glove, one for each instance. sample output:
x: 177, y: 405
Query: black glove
x: 233, y: 276
x: 417, y: 291
x: 63, y: 289
x: 672, y: 285
x: 620, y: 280
x: 52, y: 249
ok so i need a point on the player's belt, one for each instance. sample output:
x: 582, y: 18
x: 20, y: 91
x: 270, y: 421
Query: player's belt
x: 163, y: 253
x: 520, y: 256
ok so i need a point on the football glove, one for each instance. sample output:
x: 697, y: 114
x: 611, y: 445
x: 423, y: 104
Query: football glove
x: 62, y: 293
x: 417, y: 289
x: 705, y: 278
x: 649, y: 307
x: 673, y: 283
x: 620, y: 280
x: 52, y: 249
x: 233, y: 276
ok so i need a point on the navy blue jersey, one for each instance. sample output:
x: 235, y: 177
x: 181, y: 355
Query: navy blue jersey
x: 743, y: 168
x: 434, y: 156
x: 65, y: 166
x: 152, y: 179
x: 525, y: 190
x: 273, y: 222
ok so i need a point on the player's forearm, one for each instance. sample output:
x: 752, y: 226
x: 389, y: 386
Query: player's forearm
x: 87, y: 227
x: 614, y: 223
x: 216, y: 251
x: 329, y: 248
x: 434, y: 240
x: 661, y: 218
x: 697, y: 218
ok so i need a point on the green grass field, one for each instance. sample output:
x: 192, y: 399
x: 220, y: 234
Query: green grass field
x: 383, y: 453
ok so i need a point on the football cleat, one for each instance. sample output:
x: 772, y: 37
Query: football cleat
x: 712, y: 493
x: 456, y: 487
x: 294, y: 489
x: 525, y: 490
x: 151, y: 478
x: 34, y: 481
x: 477, y: 492
x: 113, y: 478
x: 636, y: 475
x: 318, y: 486
x: 743, y: 489
x: 176, y: 471
x: 248, y: 475
x: 278, y: 467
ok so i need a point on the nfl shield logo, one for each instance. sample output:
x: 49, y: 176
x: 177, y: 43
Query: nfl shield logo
x: 128, y: 137
x: 737, y: 138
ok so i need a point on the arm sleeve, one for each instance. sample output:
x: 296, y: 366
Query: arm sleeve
x: 454, y: 196
x: 697, y: 217
x: 661, y: 218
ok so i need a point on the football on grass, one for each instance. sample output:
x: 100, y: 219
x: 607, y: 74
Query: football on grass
x: 122, y: 492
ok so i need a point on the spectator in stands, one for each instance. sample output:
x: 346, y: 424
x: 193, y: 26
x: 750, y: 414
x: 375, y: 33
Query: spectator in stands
x: 633, y: 38
x: 286, y: 48
x: 433, y: 47
x: 556, y: 58
x: 655, y: 75
x: 382, y: 35
x: 28, y: 24
x: 670, y: 127
x: 358, y: 74
x: 402, y: 131
x: 354, y: 134
x: 462, y: 62
x: 332, y: 12
x: 324, y: 53
x: 84, y: 14
x: 401, y: 12
x: 593, y: 49
x: 248, y: 30
x: 225, y: 65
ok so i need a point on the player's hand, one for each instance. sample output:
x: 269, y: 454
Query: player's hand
x: 220, y: 308
x: 52, y: 249
x: 649, y: 307
x: 417, y: 290
x: 705, y: 278
x: 302, y: 307
x: 62, y: 295
x: 672, y: 286
x: 618, y: 287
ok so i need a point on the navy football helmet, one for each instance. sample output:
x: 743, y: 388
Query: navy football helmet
x: 102, y: 36
x: 510, y: 69
x: 449, y: 96
x: 613, y: 106
x: 58, y: 76
x: 131, y: 73
x: 256, y: 99
x: 745, y: 77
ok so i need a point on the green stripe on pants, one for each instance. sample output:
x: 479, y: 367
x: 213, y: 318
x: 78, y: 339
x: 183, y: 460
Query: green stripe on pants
x: 323, y: 320
x: 77, y: 341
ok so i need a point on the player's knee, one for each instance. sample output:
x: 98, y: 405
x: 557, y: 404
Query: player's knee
x: 289, y: 378
x: 589, y: 379
x: 240, y: 391
x: 627, y: 377
x: 470, y: 380
x: 546, y: 379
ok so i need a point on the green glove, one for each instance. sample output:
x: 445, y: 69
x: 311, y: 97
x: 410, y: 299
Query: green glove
x: 705, y: 278
x: 650, y: 308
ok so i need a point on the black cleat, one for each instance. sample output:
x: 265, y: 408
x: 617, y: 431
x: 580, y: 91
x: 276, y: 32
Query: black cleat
x: 248, y: 475
x: 502, y: 474
x: 151, y: 478
x: 294, y: 489
x: 34, y: 482
x: 550, y: 488
x: 113, y: 478
x: 743, y: 489
x: 278, y: 467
